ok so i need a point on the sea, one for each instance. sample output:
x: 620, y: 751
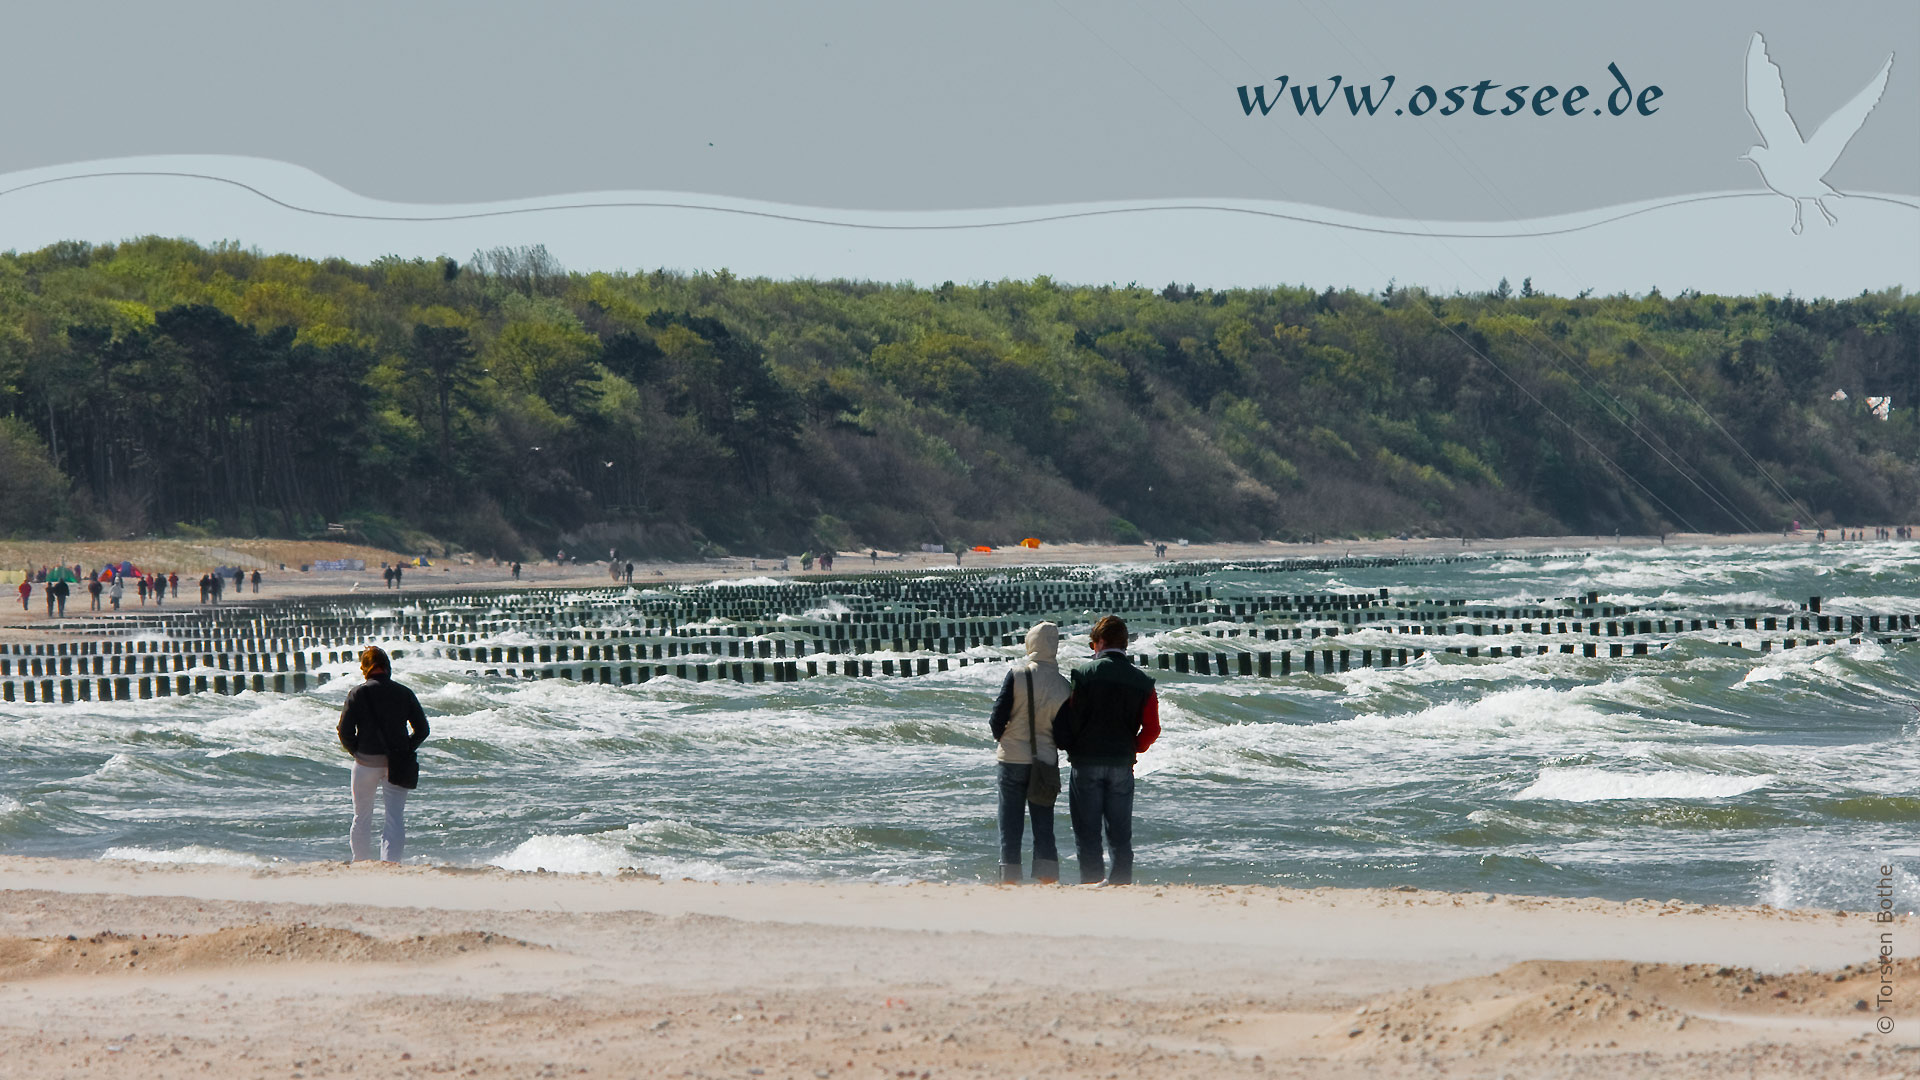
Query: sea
x: 1704, y: 773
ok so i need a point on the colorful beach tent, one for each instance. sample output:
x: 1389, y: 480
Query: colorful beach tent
x: 1030, y: 542
x: 981, y: 547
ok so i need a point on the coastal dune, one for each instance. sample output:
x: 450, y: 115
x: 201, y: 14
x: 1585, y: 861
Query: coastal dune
x: 322, y: 969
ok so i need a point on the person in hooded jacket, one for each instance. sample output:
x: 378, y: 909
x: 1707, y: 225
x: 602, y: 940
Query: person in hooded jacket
x: 381, y: 725
x: 1022, y: 723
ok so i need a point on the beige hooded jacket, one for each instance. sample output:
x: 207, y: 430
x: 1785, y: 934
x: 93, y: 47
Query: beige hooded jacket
x: 1050, y: 690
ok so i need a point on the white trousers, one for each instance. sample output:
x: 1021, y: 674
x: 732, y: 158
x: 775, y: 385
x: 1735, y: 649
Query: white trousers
x: 393, y: 832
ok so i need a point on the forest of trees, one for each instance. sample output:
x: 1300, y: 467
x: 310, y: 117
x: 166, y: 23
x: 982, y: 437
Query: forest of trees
x: 510, y: 407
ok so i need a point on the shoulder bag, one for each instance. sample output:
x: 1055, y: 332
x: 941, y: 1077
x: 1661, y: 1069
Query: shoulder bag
x: 1043, y: 783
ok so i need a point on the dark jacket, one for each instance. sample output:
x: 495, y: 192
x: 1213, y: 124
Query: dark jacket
x: 383, y: 717
x: 1103, y: 723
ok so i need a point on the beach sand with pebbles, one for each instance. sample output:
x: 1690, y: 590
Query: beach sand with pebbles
x: 125, y: 969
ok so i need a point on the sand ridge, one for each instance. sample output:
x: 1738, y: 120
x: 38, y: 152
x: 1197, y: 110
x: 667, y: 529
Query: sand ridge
x: 1557, y: 1005
x: 109, y: 952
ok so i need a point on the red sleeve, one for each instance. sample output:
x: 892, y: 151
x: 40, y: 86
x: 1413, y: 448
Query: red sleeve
x: 1149, y: 723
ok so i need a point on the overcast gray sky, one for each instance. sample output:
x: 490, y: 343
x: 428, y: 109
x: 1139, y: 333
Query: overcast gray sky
x: 920, y: 106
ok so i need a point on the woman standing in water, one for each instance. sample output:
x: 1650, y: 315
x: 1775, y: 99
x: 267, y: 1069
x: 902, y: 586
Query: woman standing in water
x: 381, y: 725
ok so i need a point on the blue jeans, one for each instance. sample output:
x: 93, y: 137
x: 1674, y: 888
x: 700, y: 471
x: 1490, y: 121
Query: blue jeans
x: 1013, y: 797
x: 1103, y: 795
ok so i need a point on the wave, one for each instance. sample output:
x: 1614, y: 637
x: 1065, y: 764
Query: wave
x: 1764, y: 674
x: 1522, y: 711
x: 663, y: 847
x: 191, y: 854
x: 1828, y: 872
x: 1585, y: 784
x: 593, y: 854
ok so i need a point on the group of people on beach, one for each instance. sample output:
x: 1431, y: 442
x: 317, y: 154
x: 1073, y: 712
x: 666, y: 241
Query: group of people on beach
x: 213, y: 584
x: 115, y: 588
x: 112, y: 587
x: 1103, y: 715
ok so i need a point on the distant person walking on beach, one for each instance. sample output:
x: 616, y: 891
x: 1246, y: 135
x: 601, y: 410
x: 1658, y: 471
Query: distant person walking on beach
x: 256, y: 581
x: 26, y: 594
x: 382, y: 726
x: 1022, y: 724
x: 206, y: 588
x: 396, y: 575
x: 173, y: 583
x: 159, y: 589
x: 1112, y: 716
x: 94, y: 590
x: 119, y: 590
x: 51, y: 589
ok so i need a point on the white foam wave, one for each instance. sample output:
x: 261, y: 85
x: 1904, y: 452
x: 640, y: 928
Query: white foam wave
x: 1586, y: 784
x: 190, y: 855
x: 762, y: 581
x: 600, y: 853
x: 592, y: 854
x: 1809, y: 872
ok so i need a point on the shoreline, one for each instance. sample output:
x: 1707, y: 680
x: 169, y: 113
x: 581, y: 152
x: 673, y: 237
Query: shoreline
x: 486, y: 887
x: 498, y: 973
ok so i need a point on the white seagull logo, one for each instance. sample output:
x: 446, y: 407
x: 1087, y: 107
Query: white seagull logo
x: 1789, y: 164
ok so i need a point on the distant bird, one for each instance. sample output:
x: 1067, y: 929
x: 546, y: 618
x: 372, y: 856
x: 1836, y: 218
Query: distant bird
x: 1790, y: 165
x: 609, y: 464
x: 533, y: 448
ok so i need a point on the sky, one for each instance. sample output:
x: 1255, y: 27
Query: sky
x: 909, y: 106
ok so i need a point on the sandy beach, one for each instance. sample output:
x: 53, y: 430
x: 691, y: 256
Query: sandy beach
x: 125, y: 969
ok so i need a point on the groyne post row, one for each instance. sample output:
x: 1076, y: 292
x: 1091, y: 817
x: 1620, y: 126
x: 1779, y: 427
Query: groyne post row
x: 785, y: 632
